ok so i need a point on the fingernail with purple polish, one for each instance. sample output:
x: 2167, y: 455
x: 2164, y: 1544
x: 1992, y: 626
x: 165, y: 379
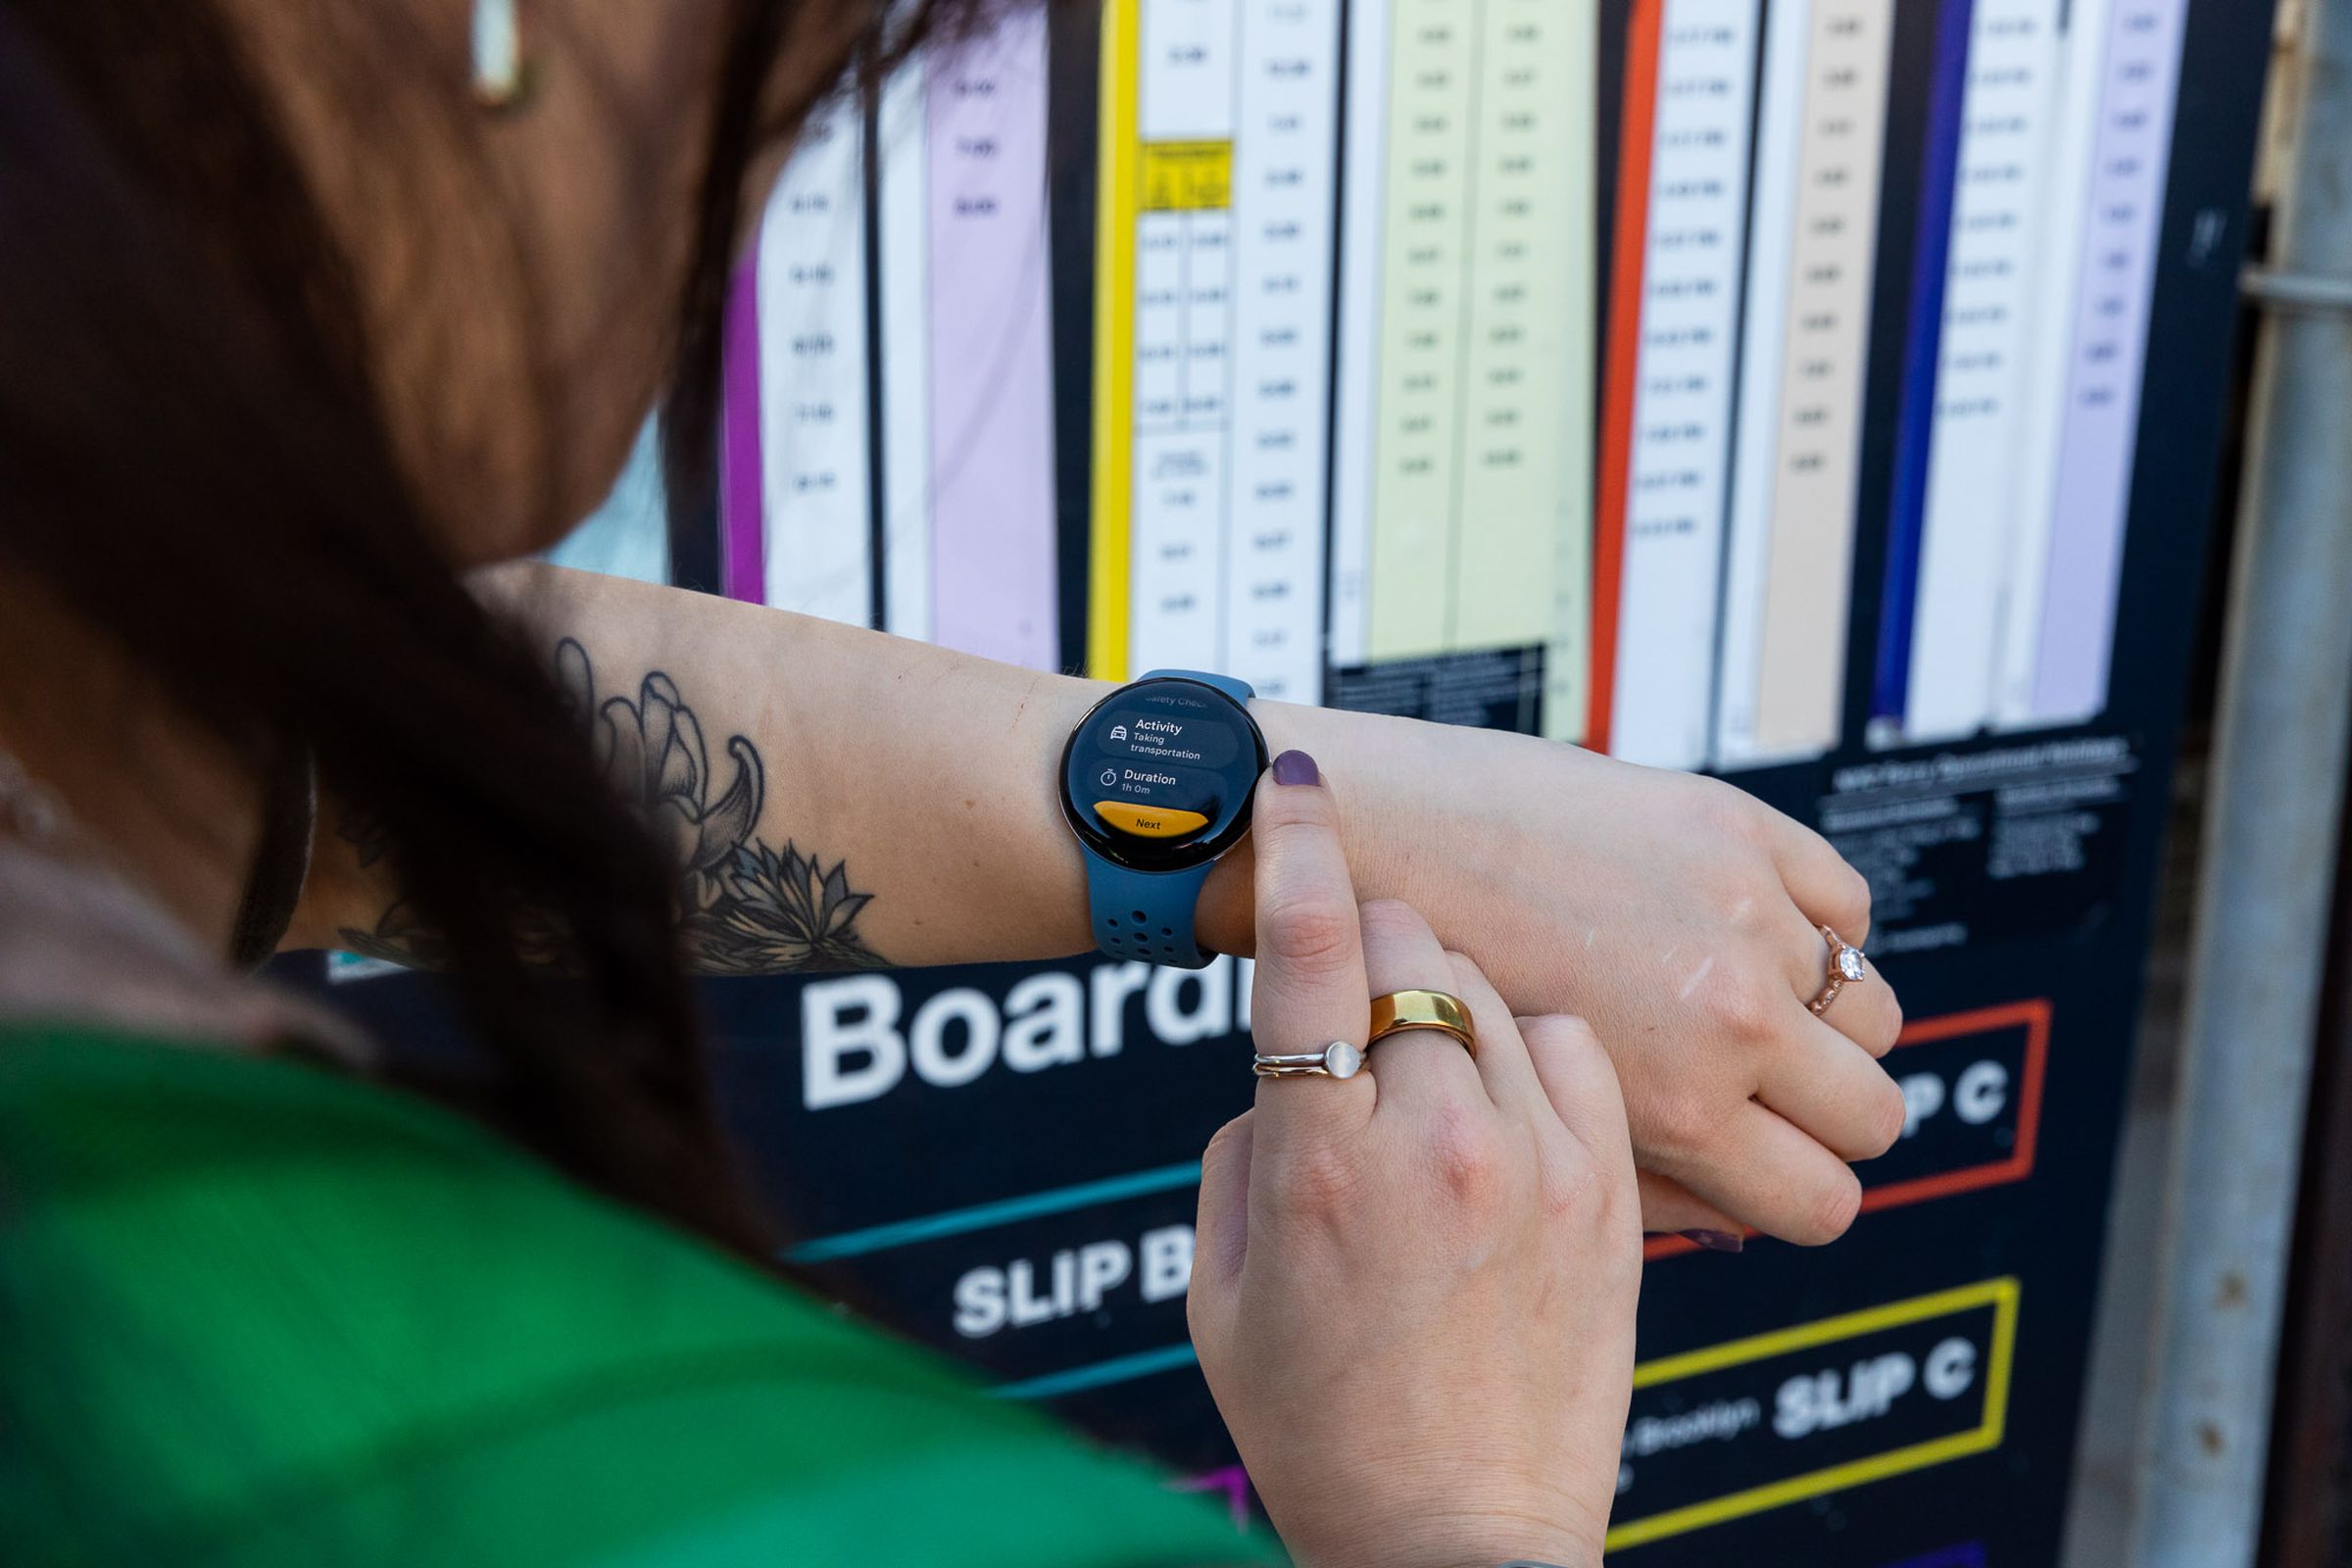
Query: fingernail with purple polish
x: 1714, y: 1241
x: 1295, y: 768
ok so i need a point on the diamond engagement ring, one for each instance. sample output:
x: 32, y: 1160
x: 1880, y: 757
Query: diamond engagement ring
x: 1845, y: 969
x: 1339, y: 1059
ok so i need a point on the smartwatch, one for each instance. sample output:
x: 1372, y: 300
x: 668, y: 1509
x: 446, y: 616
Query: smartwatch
x: 1157, y: 782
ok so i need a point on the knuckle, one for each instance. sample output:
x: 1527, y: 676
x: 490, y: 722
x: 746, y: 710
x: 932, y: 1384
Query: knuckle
x: 1684, y: 1123
x: 1309, y: 930
x: 1468, y: 1157
x: 1740, y: 1005
x: 1725, y: 812
x: 1889, y: 1028
x: 1571, y: 1050
x: 1469, y: 981
x: 1830, y: 1214
x: 1891, y: 1114
x: 1561, y: 1034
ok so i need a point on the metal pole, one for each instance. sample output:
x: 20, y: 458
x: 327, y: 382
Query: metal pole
x: 2262, y: 918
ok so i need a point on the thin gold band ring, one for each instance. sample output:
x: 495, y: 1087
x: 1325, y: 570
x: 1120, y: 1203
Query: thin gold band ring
x: 1422, y: 1010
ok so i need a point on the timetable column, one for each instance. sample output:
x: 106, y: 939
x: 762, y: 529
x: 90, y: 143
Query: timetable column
x: 1284, y: 169
x: 1809, y: 577
x: 990, y: 275
x: 2123, y: 211
x: 1975, y: 401
x: 814, y: 424
x: 1355, y: 355
x: 1674, y: 313
x: 1763, y: 353
x: 1183, y: 332
x: 1522, y: 516
x: 1424, y: 250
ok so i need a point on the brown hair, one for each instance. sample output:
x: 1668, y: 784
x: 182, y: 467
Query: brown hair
x: 192, y: 455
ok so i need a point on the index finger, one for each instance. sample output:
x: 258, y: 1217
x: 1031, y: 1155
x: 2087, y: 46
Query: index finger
x: 1310, y: 989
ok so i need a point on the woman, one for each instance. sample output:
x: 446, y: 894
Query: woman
x: 295, y: 335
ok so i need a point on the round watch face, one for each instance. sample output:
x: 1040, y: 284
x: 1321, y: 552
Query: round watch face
x: 1158, y: 776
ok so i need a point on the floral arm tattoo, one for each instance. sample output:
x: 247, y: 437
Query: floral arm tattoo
x: 744, y: 905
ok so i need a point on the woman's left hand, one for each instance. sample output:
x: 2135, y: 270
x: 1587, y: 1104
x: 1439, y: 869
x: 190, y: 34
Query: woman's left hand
x: 1679, y: 916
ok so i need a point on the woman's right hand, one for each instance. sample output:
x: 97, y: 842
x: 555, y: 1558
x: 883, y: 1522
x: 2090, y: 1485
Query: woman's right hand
x: 1413, y: 1290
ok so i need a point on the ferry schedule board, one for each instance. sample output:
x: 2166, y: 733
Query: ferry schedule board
x: 1824, y: 394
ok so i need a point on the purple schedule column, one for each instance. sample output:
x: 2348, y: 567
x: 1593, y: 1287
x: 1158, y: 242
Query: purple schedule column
x: 2130, y: 153
x: 991, y: 433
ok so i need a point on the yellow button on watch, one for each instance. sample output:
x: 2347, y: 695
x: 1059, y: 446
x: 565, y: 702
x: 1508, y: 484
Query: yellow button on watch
x: 1150, y: 822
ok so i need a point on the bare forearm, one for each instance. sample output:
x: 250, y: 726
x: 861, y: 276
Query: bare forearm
x: 909, y: 788
x: 838, y: 796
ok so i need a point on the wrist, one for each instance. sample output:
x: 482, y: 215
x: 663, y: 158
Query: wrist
x: 1373, y: 764
x: 1456, y: 1543
x: 1226, y: 919
x: 1464, y: 1499
x: 1053, y: 707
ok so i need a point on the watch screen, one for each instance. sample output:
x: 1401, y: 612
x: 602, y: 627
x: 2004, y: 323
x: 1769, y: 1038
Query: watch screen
x: 1158, y: 776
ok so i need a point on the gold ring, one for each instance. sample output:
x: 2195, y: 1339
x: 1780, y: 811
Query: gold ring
x: 1845, y: 969
x: 1422, y: 1010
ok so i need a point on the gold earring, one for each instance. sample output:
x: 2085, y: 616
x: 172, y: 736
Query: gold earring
x: 502, y: 77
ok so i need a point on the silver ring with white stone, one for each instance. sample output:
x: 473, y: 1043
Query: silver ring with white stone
x: 1339, y: 1059
x: 1845, y: 969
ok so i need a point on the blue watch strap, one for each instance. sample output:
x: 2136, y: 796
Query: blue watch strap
x: 1241, y: 691
x: 1147, y: 916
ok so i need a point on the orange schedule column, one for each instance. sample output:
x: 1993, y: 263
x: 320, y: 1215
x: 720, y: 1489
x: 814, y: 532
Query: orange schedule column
x: 1623, y: 354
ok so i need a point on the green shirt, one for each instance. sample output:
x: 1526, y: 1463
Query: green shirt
x: 254, y: 1312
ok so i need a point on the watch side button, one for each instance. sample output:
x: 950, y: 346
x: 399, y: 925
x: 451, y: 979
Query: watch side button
x: 1149, y: 822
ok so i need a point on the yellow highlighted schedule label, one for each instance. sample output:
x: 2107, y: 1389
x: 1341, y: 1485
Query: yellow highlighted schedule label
x: 1187, y: 177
